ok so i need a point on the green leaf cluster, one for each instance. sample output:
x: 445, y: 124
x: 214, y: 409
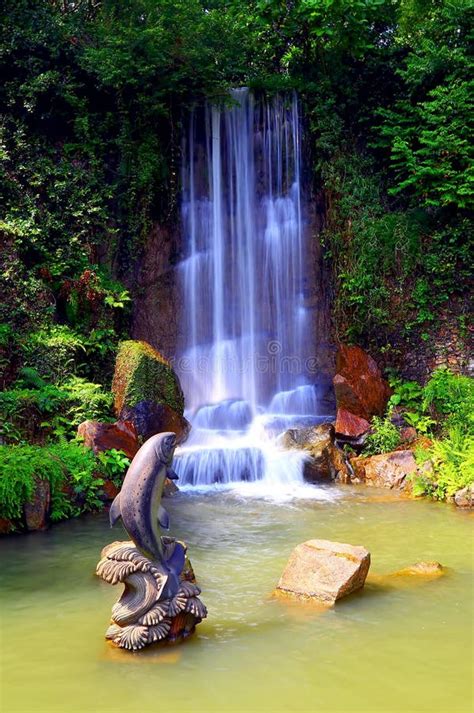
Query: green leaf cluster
x: 66, y: 466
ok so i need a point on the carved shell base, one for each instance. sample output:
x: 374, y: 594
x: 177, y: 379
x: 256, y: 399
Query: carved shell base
x: 145, y: 614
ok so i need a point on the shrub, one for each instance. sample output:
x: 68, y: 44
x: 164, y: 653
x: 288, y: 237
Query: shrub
x: 53, y: 352
x: 113, y: 464
x: 66, y: 466
x: 451, y: 396
x: 23, y: 411
x: 452, y: 460
x: 406, y: 394
x: 36, y: 410
x: 87, y: 401
x: 384, y: 436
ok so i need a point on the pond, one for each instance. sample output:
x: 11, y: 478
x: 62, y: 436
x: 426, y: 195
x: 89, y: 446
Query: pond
x: 389, y: 648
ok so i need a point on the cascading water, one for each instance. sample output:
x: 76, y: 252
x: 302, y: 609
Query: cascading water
x: 245, y: 362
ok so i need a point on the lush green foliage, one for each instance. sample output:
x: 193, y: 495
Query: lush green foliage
x: 113, y: 465
x: 451, y: 396
x: 35, y: 410
x: 64, y: 465
x: 427, y: 129
x: 443, y: 410
x: 448, y: 465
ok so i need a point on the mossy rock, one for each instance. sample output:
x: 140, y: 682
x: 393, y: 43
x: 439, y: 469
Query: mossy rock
x: 143, y: 374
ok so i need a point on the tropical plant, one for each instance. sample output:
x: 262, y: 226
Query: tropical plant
x: 383, y: 437
x: 114, y: 464
x: 449, y: 465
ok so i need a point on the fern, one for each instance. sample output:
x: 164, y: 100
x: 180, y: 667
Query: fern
x: 452, y: 460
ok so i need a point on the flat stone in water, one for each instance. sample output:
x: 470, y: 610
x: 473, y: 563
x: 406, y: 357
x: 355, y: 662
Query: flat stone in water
x: 325, y: 570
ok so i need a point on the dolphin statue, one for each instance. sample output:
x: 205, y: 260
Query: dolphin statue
x: 139, y: 503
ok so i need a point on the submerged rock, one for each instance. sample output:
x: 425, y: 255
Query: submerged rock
x: 325, y: 460
x: 99, y: 436
x: 360, y: 390
x: 325, y: 570
x: 464, y: 498
x: 421, y: 569
x: 387, y: 470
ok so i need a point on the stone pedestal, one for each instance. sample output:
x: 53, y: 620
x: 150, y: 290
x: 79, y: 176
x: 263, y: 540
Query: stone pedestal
x: 146, y: 613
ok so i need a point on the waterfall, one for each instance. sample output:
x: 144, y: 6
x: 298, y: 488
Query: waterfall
x: 245, y: 357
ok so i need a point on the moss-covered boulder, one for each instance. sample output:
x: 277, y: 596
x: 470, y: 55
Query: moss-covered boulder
x: 143, y: 374
x: 147, y: 391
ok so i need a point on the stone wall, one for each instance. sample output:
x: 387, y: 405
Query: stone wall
x: 450, y: 343
x: 157, y: 300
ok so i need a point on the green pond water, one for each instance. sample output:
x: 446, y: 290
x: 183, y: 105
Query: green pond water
x: 391, y: 647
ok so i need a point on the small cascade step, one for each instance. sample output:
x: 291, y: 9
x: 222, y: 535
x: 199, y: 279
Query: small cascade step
x: 211, y: 466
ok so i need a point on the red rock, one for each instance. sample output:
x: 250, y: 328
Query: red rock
x: 121, y: 435
x: 6, y: 526
x: 169, y: 488
x: 36, y: 511
x: 348, y: 424
x: 408, y: 434
x: 150, y: 418
x: 358, y: 383
x: 110, y: 490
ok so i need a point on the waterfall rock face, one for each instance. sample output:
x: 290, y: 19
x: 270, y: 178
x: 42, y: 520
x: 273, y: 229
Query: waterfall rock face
x: 247, y: 354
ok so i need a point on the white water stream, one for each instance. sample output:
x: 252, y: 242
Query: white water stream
x: 245, y: 363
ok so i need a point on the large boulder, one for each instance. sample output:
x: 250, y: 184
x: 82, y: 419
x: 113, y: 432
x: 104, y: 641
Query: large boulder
x: 99, y: 436
x: 144, y: 381
x: 325, y: 460
x: 36, y: 510
x: 387, y: 470
x: 150, y: 418
x: 325, y: 570
x: 359, y: 387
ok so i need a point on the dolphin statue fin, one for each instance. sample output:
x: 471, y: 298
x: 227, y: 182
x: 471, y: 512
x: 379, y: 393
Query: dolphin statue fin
x: 171, y: 474
x: 176, y: 561
x: 163, y: 518
x: 115, y: 512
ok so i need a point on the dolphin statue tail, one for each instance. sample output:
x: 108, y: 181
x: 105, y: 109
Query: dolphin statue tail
x: 114, y: 512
